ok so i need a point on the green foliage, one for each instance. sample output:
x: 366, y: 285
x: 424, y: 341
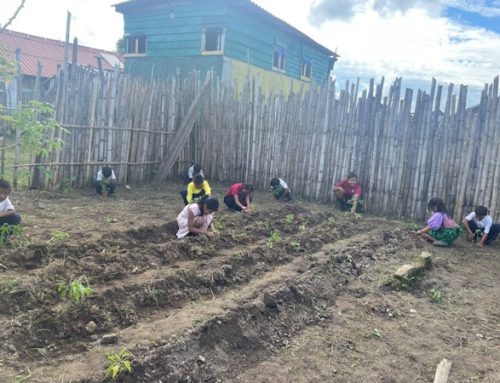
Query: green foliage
x: 118, y: 363
x: 295, y: 245
x: 37, y: 126
x: 217, y: 225
x: 58, y: 235
x: 436, y: 296
x: 331, y: 220
x: 12, y: 235
x: 290, y: 218
x: 9, y: 287
x: 275, y: 236
x: 75, y: 290
x: 303, y: 225
x: 7, y: 68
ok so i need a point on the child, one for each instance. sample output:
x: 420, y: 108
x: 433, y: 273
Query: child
x: 239, y: 197
x: 105, y: 183
x: 197, y: 188
x: 280, y: 189
x: 480, y: 224
x: 196, y: 218
x: 8, y: 215
x: 441, y: 230
x: 348, y: 193
x: 191, y: 172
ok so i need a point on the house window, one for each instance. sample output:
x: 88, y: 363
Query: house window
x: 136, y: 44
x: 306, y: 73
x: 279, y: 58
x: 212, y: 41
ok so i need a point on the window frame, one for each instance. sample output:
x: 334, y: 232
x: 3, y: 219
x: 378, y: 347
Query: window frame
x: 136, y: 38
x: 306, y: 64
x: 281, y: 59
x: 221, y: 39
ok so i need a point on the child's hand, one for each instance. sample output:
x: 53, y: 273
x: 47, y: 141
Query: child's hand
x: 470, y: 236
x: 480, y: 244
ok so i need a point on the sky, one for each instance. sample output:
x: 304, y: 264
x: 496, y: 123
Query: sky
x: 451, y: 40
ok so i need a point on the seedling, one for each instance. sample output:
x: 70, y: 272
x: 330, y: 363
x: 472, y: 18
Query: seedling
x: 331, y: 220
x: 118, y: 363
x: 58, y: 235
x: 75, y: 290
x: 290, y: 218
x: 303, y: 225
x: 13, y: 235
x: 375, y: 333
x: 217, y: 225
x: 295, y: 245
x: 436, y: 296
x: 274, y: 237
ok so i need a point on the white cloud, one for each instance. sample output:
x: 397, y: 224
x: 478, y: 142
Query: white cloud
x: 476, y: 6
x: 94, y: 22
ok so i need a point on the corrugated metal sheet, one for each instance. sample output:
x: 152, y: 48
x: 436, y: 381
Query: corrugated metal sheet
x: 50, y: 53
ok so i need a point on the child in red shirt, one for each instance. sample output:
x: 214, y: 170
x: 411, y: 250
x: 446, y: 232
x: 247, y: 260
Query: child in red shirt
x: 239, y: 197
x: 348, y: 193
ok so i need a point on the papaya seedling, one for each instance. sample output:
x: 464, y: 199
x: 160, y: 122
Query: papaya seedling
x: 75, y: 290
x: 275, y: 236
x: 436, y: 296
x: 119, y: 363
x: 290, y: 218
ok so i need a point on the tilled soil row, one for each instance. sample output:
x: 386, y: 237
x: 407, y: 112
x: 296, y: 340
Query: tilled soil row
x: 263, y: 323
x: 124, y: 302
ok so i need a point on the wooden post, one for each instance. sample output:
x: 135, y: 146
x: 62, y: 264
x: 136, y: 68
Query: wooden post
x: 442, y: 371
x: 19, y: 91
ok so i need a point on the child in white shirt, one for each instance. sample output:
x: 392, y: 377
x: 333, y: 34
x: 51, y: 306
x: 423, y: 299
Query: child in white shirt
x: 8, y: 214
x: 480, y: 225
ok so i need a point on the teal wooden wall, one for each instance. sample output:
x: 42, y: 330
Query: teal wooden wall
x: 251, y: 36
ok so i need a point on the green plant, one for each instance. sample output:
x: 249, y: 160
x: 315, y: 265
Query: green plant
x: 76, y: 290
x: 331, y: 220
x: 303, y: 225
x: 218, y: 225
x: 375, y: 333
x: 295, y: 245
x: 58, y: 235
x: 9, y: 286
x: 118, y: 363
x: 436, y: 296
x: 13, y: 235
x: 290, y: 218
x: 274, y: 237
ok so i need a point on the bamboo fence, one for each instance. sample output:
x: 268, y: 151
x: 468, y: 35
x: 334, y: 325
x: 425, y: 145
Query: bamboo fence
x: 405, y: 146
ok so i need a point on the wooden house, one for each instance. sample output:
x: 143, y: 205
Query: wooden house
x: 236, y: 38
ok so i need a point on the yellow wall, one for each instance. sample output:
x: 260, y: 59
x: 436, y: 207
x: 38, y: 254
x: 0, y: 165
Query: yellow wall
x: 269, y: 80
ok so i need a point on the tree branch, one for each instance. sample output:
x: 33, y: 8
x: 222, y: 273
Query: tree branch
x: 3, y: 28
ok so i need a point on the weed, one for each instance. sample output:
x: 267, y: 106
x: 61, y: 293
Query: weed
x: 12, y: 235
x: 295, y: 245
x: 331, y: 220
x: 118, y: 363
x: 9, y: 286
x: 436, y: 296
x: 74, y: 290
x: 374, y: 334
x: 58, y: 235
x: 413, y: 226
x: 274, y: 237
x: 290, y: 218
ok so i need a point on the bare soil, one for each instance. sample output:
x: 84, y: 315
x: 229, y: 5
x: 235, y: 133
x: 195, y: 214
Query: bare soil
x: 315, y: 306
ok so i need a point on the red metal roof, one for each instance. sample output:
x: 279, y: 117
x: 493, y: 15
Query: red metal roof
x: 49, y: 52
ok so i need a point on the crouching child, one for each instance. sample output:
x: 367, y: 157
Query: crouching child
x: 8, y: 215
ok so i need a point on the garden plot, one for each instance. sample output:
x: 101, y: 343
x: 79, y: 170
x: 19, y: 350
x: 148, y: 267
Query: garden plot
x: 293, y: 293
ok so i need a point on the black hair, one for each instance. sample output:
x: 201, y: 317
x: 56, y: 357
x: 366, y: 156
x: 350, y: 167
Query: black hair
x: 4, y: 184
x: 351, y: 175
x: 437, y: 203
x: 211, y: 202
x: 481, y: 211
x: 248, y: 187
x: 198, y: 179
x: 106, y: 171
x: 275, y: 182
x: 196, y: 168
